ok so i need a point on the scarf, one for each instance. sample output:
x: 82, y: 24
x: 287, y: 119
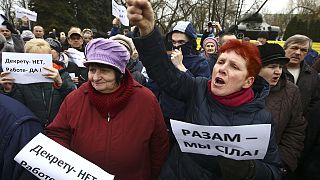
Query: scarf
x: 235, y: 99
x: 109, y: 104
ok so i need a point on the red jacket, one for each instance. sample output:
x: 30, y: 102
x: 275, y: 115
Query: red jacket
x: 132, y: 145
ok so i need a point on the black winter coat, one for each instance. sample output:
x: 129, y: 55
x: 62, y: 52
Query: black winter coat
x: 42, y: 98
x: 309, y: 85
x: 284, y: 103
x: 204, y: 110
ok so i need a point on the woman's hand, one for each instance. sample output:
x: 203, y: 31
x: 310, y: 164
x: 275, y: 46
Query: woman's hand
x: 54, y: 75
x: 176, y: 59
x: 6, y: 81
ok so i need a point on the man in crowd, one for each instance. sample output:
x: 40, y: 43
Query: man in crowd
x: 75, y: 39
x: 183, y: 39
x: 38, y: 32
x: 226, y: 37
x: 213, y: 29
x: 13, y: 39
x: 299, y: 72
x: 262, y: 37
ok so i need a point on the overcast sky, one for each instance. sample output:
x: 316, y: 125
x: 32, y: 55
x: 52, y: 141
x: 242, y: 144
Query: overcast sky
x: 272, y: 6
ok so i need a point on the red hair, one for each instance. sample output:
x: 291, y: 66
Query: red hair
x: 246, y: 50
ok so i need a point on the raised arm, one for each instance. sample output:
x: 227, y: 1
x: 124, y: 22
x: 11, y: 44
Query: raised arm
x: 152, y: 52
x: 140, y: 13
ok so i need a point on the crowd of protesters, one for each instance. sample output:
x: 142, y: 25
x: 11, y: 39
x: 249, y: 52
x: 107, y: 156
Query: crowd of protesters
x: 115, y: 97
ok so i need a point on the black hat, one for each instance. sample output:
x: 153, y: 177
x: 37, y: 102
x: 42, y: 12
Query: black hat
x: 263, y: 34
x: 272, y: 53
x: 54, y: 44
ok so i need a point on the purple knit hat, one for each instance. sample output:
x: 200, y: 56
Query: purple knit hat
x: 106, y: 51
x: 211, y: 40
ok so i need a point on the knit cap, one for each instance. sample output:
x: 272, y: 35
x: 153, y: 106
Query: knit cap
x: 124, y: 40
x: 26, y: 35
x: 107, y: 51
x: 54, y: 44
x: 210, y: 40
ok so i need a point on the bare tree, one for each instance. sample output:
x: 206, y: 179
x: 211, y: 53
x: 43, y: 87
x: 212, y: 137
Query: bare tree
x: 7, y: 7
x: 169, y: 12
x: 23, y: 3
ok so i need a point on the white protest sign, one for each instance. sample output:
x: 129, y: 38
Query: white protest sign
x: 235, y: 142
x: 47, y: 159
x: 76, y: 56
x: 26, y: 68
x: 120, y: 12
x: 20, y: 12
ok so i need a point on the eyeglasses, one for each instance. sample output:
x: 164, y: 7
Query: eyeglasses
x: 296, y: 48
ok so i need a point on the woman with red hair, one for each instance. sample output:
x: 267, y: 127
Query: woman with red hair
x: 234, y: 96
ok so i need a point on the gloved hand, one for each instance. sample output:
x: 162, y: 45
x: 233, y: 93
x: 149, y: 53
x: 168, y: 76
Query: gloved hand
x: 236, y: 169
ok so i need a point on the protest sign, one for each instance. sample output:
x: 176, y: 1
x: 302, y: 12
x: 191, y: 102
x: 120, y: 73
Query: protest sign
x: 236, y: 142
x: 20, y: 12
x: 76, y: 56
x: 26, y: 68
x: 47, y: 159
x: 120, y: 12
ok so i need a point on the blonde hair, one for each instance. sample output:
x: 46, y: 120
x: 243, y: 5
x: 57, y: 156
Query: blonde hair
x: 37, y: 46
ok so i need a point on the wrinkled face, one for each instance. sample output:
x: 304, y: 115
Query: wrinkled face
x: 229, y: 74
x: 271, y: 73
x: 296, y: 53
x: 38, y: 32
x: 209, y: 48
x: 103, y: 79
x: 179, y: 39
x: 75, y: 41
x: 5, y: 32
x: 261, y: 40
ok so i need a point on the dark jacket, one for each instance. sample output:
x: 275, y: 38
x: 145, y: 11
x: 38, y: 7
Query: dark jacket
x: 309, y: 85
x: 135, y: 68
x: 176, y: 108
x: 18, y: 43
x: 212, y: 59
x: 80, y: 72
x: 42, y: 98
x: 17, y: 127
x: 204, y: 110
x: 284, y: 103
x: 311, y: 155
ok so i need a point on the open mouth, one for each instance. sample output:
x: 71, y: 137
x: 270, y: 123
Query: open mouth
x: 275, y: 78
x: 219, y: 81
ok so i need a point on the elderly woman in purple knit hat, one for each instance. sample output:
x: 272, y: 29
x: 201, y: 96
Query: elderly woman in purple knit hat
x: 210, y: 51
x: 112, y: 120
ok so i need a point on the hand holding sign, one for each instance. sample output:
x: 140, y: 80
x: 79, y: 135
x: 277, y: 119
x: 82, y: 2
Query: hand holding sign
x: 27, y: 68
x: 54, y: 75
x: 47, y: 159
x: 236, y: 169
